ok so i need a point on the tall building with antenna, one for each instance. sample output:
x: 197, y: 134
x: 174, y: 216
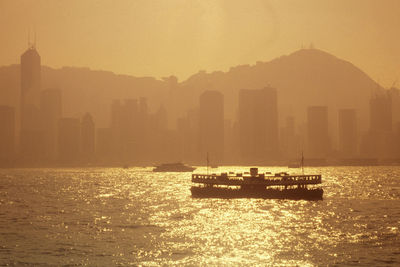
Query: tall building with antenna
x: 31, y: 138
x: 30, y: 76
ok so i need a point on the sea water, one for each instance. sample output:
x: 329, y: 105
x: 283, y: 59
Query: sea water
x: 115, y: 216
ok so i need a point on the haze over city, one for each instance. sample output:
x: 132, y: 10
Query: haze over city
x: 163, y: 38
x: 199, y: 133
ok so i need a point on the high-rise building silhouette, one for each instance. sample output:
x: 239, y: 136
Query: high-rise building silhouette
x: 160, y: 145
x: 258, y: 125
x: 229, y: 142
x: 143, y: 140
x: 87, y: 138
x: 31, y: 136
x: 288, y: 140
x: 137, y: 135
x: 317, y: 132
x: 188, y: 134
x: 161, y: 119
x: 348, y: 137
x: 30, y: 78
x: 7, y: 133
x: 395, y: 103
x: 129, y: 129
x: 378, y: 141
x: 117, y: 129
x: 69, y: 134
x: 395, y: 97
x: 125, y: 129
x: 380, y: 112
x: 211, y: 127
x: 51, y: 112
x: 104, y: 145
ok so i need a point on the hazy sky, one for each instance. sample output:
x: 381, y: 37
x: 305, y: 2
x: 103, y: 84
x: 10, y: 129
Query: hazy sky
x: 180, y: 37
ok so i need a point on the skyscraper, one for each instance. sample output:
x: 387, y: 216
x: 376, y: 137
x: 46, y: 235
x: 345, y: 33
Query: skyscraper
x: 288, y: 140
x: 161, y: 119
x: 211, y: 127
x: 229, y: 142
x: 161, y: 140
x: 381, y: 112
x: 87, y: 137
x: 31, y: 137
x: 116, y: 127
x: 69, y: 140
x: 317, y: 132
x: 130, y: 131
x: 258, y: 124
x: 395, y: 99
x: 378, y: 142
x: 348, y: 139
x: 30, y: 78
x: 188, y: 134
x: 125, y: 128
x: 142, y: 125
x: 7, y: 133
x: 51, y: 109
x: 104, y: 144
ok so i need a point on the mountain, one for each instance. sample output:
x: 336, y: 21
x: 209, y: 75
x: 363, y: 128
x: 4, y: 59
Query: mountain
x: 303, y: 78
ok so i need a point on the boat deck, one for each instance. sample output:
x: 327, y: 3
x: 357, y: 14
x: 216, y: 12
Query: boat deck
x: 285, y: 180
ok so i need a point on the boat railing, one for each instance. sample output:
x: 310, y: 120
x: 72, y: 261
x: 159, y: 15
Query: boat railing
x: 267, y: 180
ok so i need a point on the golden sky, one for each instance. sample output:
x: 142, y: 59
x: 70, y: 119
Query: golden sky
x: 180, y: 37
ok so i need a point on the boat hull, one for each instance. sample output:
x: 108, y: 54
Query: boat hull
x: 295, y: 194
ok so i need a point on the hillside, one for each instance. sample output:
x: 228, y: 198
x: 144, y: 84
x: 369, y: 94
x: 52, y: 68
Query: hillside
x: 305, y: 77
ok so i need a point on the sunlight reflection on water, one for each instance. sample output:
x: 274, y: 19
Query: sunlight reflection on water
x: 134, y: 216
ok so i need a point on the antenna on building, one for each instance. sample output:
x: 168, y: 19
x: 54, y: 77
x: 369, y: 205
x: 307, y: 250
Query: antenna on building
x: 34, y: 38
x: 31, y: 43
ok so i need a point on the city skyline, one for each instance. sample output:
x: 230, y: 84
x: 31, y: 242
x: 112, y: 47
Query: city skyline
x: 135, y: 135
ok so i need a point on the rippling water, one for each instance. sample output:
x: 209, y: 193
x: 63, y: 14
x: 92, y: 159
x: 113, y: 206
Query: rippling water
x: 134, y: 216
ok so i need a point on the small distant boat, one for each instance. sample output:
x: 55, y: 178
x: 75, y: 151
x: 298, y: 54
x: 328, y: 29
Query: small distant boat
x: 173, y: 167
x: 294, y: 165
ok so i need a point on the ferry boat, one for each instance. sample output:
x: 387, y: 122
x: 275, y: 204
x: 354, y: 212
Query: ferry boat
x: 173, y: 167
x: 257, y: 185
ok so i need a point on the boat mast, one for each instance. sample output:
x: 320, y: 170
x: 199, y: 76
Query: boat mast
x: 302, y: 162
x: 207, y: 163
